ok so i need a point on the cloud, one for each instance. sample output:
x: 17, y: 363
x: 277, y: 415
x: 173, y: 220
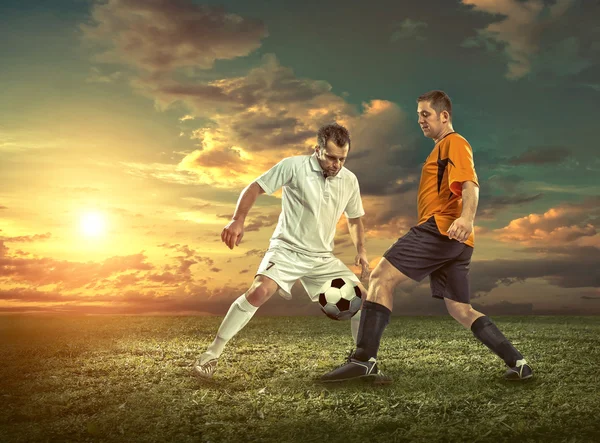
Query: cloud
x: 565, y: 241
x: 541, y: 156
x: 565, y: 267
x: 261, y: 221
x: 27, y: 238
x: 122, y: 284
x: 491, y: 205
x: 255, y: 253
x: 591, y: 295
x: 164, y: 172
x: 263, y: 116
x: 251, y: 121
x: 589, y: 77
x: 239, y: 146
x: 568, y: 224
x: 69, y: 275
x: 202, y: 206
x: 164, y: 35
x: 256, y: 222
x: 389, y: 217
x: 408, y: 29
x: 519, y: 32
x: 96, y: 76
x: 193, y: 299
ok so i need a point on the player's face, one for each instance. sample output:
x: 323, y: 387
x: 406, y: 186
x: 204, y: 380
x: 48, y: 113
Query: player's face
x: 430, y: 121
x: 332, y: 158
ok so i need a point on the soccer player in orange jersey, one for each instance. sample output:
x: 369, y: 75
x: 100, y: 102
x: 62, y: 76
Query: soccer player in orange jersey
x: 439, y: 246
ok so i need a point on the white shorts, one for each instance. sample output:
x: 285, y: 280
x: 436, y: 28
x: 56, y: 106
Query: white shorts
x: 285, y: 267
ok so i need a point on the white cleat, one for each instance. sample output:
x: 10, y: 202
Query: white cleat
x: 205, y: 367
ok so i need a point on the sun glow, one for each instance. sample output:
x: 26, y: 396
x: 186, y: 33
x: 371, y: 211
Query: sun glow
x: 92, y: 224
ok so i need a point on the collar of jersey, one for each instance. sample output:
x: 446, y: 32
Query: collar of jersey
x: 314, y: 163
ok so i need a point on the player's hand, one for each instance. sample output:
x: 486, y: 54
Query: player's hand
x: 362, y: 261
x: 232, y: 233
x: 460, y: 229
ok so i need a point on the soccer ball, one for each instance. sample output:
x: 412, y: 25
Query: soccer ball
x: 339, y: 299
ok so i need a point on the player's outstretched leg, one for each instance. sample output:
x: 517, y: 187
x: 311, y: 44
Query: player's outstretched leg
x: 239, y: 314
x: 488, y: 333
x: 375, y: 316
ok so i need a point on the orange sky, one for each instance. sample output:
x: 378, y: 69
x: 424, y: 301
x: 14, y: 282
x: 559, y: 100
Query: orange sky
x: 149, y: 130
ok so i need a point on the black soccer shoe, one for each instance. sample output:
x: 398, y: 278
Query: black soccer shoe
x: 355, y: 369
x: 521, y: 371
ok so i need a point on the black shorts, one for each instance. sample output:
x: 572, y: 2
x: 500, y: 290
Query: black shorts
x: 424, y: 251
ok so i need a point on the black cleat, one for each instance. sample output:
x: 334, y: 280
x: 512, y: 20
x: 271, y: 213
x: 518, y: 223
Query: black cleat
x: 355, y: 369
x: 521, y: 371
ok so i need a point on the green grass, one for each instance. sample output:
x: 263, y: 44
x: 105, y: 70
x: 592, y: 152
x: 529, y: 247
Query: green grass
x: 128, y: 379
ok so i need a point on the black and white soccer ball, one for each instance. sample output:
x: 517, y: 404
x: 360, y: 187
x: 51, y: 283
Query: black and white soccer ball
x: 340, y: 299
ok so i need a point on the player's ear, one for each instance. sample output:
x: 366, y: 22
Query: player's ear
x: 445, y: 116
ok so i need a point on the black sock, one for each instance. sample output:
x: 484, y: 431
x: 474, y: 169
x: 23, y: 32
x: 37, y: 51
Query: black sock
x: 373, y: 320
x: 488, y: 333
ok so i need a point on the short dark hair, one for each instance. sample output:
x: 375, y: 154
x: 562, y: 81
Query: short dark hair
x: 439, y: 101
x: 334, y: 132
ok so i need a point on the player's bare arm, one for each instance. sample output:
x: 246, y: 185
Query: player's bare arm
x: 233, y: 233
x: 462, y: 227
x: 357, y: 233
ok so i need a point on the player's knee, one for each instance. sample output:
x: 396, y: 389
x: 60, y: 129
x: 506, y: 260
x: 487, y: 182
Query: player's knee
x: 375, y: 273
x: 381, y: 280
x: 376, y: 277
x: 258, y: 294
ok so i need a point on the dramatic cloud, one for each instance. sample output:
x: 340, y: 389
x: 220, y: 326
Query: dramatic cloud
x: 568, y: 224
x: 389, y: 217
x: 71, y: 275
x: 279, y: 116
x: 565, y: 267
x: 250, y: 122
x: 491, y: 205
x: 163, y: 35
x: 520, y: 30
x: 123, y: 284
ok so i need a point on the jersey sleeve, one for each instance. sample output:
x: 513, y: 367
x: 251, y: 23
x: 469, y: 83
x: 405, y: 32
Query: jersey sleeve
x: 354, y: 208
x: 278, y: 176
x: 461, y: 167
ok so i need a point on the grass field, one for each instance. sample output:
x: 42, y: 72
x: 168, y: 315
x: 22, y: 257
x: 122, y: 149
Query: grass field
x: 128, y: 379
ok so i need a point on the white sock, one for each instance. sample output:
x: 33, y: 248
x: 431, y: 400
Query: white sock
x: 354, y: 324
x: 239, y: 314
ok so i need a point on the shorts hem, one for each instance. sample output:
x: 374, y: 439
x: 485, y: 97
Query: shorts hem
x: 443, y: 296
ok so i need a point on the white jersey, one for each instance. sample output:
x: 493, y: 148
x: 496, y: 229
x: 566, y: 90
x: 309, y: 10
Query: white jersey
x: 311, y: 204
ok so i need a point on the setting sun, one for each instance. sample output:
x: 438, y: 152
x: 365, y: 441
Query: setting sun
x: 92, y: 224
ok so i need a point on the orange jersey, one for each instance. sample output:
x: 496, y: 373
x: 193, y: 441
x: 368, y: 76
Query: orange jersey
x: 440, y: 190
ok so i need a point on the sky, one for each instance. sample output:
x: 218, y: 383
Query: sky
x: 128, y: 129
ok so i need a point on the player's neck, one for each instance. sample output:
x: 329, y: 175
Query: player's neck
x: 444, y: 133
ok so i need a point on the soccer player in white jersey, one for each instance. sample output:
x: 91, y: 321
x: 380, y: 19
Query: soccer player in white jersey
x: 317, y: 189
